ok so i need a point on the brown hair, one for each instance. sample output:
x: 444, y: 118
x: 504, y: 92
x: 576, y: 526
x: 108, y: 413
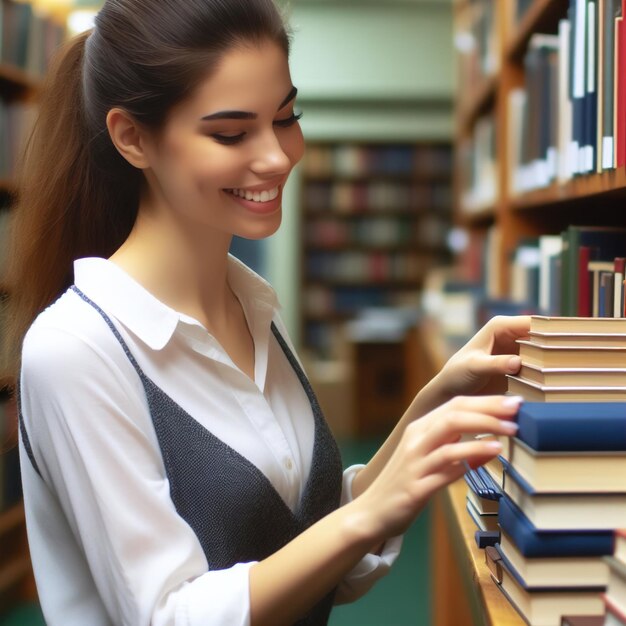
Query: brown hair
x: 76, y: 195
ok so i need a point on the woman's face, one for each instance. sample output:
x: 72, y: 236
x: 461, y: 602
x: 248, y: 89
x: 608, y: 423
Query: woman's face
x: 225, y: 153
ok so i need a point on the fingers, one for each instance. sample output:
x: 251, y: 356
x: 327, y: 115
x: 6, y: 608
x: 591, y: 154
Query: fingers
x: 452, y: 459
x: 469, y: 415
x: 483, y: 364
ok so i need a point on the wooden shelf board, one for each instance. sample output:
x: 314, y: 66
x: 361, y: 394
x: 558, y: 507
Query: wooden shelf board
x: 542, y: 16
x: 333, y: 212
x: 477, y: 103
x: 366, y: 282
x: 477, y: 216
x: 17, y: 77
x: 498, y: 611
x: 11, y: 518
x: 413, y: 178
x: 362, y: 247
x: 576, y: 189
x: 14, y: 572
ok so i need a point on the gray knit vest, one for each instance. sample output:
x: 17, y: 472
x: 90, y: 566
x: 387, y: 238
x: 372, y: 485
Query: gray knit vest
x: 236, y: 513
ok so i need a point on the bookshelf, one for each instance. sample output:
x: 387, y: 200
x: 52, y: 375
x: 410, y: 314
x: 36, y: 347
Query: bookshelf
x: 28, y: 39
x: 593, y: 198
x: 518, y: 175
x: 375, y: 219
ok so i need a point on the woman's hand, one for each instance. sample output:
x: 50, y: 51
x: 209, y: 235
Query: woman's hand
x: 432, y: 454
x: 481, y: 364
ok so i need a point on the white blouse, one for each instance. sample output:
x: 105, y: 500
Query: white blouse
x: 107, y: 544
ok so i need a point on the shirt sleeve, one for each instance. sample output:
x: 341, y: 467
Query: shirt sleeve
x: 92, y: 438
x: 371, y: 567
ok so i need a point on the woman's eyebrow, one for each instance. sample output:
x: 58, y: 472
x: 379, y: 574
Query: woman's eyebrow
x: 247, y: 115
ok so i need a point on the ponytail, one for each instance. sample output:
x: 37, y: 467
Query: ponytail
x: 66, y: 206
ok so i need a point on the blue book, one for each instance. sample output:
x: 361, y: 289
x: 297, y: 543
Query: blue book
x: 482, y: 484
x: 573, y: 426
x: 546, y: 543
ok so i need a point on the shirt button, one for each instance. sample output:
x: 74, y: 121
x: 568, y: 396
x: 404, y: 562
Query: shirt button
x: 288, y: 463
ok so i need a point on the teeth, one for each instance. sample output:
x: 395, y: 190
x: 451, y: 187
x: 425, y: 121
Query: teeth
x: 256, y: 196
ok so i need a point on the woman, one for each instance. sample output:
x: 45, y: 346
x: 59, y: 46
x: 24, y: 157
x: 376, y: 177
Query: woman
x: 176, y: 466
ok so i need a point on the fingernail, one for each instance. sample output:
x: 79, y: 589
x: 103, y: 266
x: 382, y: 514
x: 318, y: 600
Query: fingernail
x: 493, y: 445
x: 515, y: 362
x: 511, y: 427
x: 512, y: 401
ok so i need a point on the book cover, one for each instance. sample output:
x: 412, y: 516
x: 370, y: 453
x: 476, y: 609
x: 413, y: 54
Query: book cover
x: 559, y: 324
x: 560, y: 572
x: 544, y: 606
x: 574, y: 376
x: 532, y: 542
x: 569, y: 472
x: 563, y: 511
x: 571, y: 356
x: 581, y: 426
x: 534, y: 392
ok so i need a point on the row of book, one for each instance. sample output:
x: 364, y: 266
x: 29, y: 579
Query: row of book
x: 477, y: 43
x: 570, y: 116
x: 324, y: 301
x: 10, y: 482
x: 478, y: 168
x: 558, y: 491
x: 580, y: 272
x: 28, y: 37
x: 428, y: 230
x: 16, y: 121
x: 353, y: 197
x: 368, y: 267
x: 346, y: 160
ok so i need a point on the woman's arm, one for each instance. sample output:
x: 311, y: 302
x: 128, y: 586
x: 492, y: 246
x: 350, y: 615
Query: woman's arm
x: 429, y: 455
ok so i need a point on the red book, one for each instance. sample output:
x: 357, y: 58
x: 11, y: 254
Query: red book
x: 585, y: 254
x: 620, y: 109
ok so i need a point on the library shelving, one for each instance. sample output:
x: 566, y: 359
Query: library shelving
x: 525, y: 168
x: 487, y: 190
x: 375, y: 219
x: 28, y: 39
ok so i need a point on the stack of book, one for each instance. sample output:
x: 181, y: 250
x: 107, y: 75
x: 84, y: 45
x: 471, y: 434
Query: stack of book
x: 572, y: 360
x: 564, y: 487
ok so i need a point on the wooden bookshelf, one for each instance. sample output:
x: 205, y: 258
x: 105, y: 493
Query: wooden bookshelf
x: 363, y: 208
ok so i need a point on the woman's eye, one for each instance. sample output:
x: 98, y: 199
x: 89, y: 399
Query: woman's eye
x: 289, y: 121
x: 228, y: 140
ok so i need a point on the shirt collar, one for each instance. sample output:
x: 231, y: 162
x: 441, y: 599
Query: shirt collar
x: 151, y: 320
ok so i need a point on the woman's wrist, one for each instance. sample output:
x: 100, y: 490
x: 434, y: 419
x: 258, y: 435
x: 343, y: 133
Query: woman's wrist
x: 359, y: 526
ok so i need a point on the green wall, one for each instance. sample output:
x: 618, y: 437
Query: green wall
x: 368, y: 71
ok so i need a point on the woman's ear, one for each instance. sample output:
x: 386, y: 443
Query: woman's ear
x: 128, y: 137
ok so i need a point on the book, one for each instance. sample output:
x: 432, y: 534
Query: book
x: 578, y: 339
x: 544, y: 323
x: 569, y: 471
x: 483, y: 522
x: 615, y: 616
x: 483, y: 486
x: 563, y: 511
x: 485, y: 506
x: 574, y: 376
x: 571, y: 356
x: 583, y: 426
x: 544, y: 606
x: 616, y: 589
x: 565, y: 571
x: 619, y: 551
x: 531, y: 541
x: 582, y: 620
x: 535, y: 392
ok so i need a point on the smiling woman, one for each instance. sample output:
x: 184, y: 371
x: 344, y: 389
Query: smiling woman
x: 176, y: 466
